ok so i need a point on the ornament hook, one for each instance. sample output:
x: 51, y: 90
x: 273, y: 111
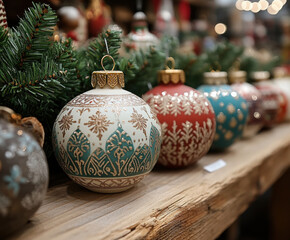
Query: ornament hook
x: 170, y: 59
x: 107, y: 48
x: 112, y: 60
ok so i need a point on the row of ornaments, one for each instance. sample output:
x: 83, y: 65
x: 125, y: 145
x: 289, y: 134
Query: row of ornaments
x: 108, y: 139
x: 189, y: 123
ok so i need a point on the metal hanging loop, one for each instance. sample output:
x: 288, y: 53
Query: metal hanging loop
x: 170, y: 59
x: 102, y: 60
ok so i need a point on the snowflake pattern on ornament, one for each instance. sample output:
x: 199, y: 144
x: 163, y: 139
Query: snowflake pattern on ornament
x: 181, y: 145
x: 187, y: 103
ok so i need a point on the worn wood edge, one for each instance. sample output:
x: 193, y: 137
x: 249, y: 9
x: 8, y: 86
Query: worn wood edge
x: 187, y: 219
x: 188, y: 213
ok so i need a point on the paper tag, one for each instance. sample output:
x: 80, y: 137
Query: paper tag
x: 215, y: 166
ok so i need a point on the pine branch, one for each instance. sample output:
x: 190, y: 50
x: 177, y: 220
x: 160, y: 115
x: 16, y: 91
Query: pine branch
x: 97, y: 49
x: 34, y: 31
x: 145, y: 66
x: 223, y: 57
x: 193, y: 66
x: 251, y: 64
x: 3, y: 37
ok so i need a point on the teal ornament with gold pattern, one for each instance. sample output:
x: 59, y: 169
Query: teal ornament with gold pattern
x: 230, y: 109
x: 107, y: 139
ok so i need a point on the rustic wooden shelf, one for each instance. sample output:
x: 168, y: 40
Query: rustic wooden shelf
x: 184, y: 204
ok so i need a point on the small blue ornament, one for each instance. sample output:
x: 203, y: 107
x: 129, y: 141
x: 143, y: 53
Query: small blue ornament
x: 230, y: 109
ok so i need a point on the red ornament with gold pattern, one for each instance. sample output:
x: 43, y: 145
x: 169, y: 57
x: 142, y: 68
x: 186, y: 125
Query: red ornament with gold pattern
x: 252, y: 95
x: 274, y: 100
x: 3, y: 20
x: 186, y: 117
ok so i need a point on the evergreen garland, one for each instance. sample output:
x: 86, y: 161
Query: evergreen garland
x: 37, y: 75
x: 139, y: 70
x: 193, y: 66
x: 223, y: 57
x: 251, y: 64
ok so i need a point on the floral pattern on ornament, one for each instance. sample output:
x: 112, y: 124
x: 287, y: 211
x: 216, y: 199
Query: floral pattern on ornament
x: 118, y: 159
x: 4, y: 205
x: 37, y: 169
x: 138, y: 121
x: 66, y: 122
x: 15, y: 179
x: 82, y: 110
x: 98, y: 124
x: 187, y: 103
x: 181, y: 145
x: 34, y: 198
x: 37, y: 175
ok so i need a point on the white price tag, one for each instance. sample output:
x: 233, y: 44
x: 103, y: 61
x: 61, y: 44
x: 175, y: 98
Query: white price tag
x: 215, y: 166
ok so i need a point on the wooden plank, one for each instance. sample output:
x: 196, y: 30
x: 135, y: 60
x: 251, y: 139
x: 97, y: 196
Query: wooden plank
x: 184, y: 204
x: 280, y: 208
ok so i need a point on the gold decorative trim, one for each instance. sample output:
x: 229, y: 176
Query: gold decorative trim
x: 108, y: 184
x: 125, y: 100
x: 173, y: 75
x: 215, y: 78
x: 188, y: 103
x: 110, y: 78
x: 170, y: 74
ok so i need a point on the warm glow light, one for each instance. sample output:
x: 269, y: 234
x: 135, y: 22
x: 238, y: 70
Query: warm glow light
x: 220, y: 28
x: 56, y: 38
x: 246, y: 5
x: 256, y: 7
x: 275, y: 7
x: 283, y: 1
x: 264, y: 4
x: 278, y: 4
x: 271, y: 10
x: 239, y: 4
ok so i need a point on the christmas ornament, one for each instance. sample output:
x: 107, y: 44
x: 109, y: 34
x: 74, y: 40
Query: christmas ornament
x: 254, y: 100
x: 283, y: 82
x: 274, y: 100
x: 69, y: 17
x: 166, y: 23
x: 186, y: 116
x: 23, y: 170
x: 99, y: 15
x: 140, y: 37
x: 230, y: 109
x: 3, y: 20
x: 107, y: 139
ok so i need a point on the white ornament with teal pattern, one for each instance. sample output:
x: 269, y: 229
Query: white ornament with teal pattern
x: 107, y: 139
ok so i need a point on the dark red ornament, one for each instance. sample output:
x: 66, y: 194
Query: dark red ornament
x: 186, y: 116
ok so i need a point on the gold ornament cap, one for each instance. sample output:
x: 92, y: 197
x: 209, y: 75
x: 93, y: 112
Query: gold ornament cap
x: 215, y: 78
x: 108, y: 78
x: 237, y: 76
x: 171, y: 75
x: 260, y: 76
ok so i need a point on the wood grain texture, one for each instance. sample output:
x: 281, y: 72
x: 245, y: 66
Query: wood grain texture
x: 184, y: 204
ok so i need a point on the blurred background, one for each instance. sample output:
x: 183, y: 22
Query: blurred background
x: 261, y: 25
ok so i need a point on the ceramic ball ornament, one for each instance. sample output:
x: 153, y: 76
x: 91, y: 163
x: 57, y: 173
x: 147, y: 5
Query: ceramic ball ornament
x: 231, y: 110
x: 254, y: 100
x: 274, y: 100
x: 282, y: 81
x: 186, y: 117
x: 23, y: 170
x: 107, y: 139
x: 139, y: 37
